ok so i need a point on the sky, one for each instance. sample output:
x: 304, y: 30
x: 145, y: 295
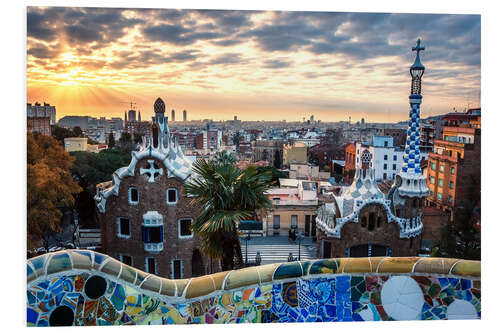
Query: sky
x: 256, y: 65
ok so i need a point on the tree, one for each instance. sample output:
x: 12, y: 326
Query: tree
x: 91, y: 169
x: 49, y: 187
x: 274, y: 173
x: 461, y: 237
x: 125, y: 142
x: 77, y: 131
x: 224, y: 157
x: 60, y: 133
x: 111, y: 140
x: 227, y: 195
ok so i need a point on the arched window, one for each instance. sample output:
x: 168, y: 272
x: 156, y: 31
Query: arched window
x: 363, y: 221
x: 379, y: 221
x: 371, y: 221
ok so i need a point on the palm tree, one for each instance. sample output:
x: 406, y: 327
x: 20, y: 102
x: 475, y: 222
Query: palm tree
x: 227, y: 195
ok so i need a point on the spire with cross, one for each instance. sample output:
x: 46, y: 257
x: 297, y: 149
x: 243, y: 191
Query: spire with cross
x: 413, y: 182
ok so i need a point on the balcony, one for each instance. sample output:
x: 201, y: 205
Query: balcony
x: 278, y: 203
x: 153, y: 247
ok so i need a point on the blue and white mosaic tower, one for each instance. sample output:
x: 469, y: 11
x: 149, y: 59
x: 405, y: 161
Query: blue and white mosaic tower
x: 413, y: 182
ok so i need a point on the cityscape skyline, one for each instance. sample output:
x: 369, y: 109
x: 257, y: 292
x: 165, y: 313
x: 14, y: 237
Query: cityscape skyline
x: 216, y: 64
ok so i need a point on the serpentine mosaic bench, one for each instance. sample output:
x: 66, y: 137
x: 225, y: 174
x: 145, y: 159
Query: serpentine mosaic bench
x: 79, y: 287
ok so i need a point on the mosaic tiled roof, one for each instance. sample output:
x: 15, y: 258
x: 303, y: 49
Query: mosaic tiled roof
x: 362, y: 188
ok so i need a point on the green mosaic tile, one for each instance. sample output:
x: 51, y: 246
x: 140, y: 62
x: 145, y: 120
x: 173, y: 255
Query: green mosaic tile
x: 305, y: 266
x: 325, y: 266
x: 434, y: 290
x: 59, y: 262
x: 287, y: 270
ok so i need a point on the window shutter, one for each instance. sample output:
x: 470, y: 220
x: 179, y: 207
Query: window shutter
x: 143, y: 233
x: 182, y: 269
x: 161, y: 234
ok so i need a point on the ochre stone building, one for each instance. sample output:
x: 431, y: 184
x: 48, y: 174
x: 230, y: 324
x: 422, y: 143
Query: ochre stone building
x: 144, y: 214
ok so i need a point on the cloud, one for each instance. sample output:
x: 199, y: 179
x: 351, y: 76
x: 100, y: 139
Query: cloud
x: 276, y: 64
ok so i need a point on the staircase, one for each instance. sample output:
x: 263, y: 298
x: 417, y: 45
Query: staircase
x: 275, y: 249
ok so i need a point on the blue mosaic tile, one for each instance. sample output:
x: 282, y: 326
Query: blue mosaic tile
x: 32, y: 316
x: 99, y: 258
x: 465, y: 284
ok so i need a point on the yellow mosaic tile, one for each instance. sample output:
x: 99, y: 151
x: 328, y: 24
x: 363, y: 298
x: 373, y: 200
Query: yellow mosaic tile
x: 242, y: 277
x: 168, y: 287
x: 341, y: 263
x: 434, y: 265
x: 266, y: 272
x: 375, y: 261
x: 357, y: 265
x: 397, y: 265
x: 112, y: 267
x: 200, y: 286
x: 219, y: 279
x: 80, y: 261
x: 181, y: 285
x: 467, y: 268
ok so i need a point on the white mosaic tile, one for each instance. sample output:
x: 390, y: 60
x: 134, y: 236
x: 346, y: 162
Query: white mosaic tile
x: 461, y: 309
x: 402, y: 298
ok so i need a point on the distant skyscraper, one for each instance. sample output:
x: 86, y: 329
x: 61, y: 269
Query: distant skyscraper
x: 235, y: 117
x: 139, y: 115
x: 173, y: 115
x: 362, y: 121
x: 125, y: 116
x: 184, y: 115
x: 312, y: 118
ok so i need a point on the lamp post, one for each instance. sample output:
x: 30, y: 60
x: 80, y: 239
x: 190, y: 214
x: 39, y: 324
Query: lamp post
x: 247, y: 238
x: 299, y: 238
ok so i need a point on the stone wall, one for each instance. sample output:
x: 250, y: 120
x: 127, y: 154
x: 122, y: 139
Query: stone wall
x: 78, y: 287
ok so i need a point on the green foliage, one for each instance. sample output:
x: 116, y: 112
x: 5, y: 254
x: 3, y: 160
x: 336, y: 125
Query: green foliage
x: 111, y: 140
x: 461, y: 238
x: 227, y: 195
x: 60, y: 133
x: 224, y: 157
x: 274, y: 173
x: 49, y: 187
x: 93, y: 168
